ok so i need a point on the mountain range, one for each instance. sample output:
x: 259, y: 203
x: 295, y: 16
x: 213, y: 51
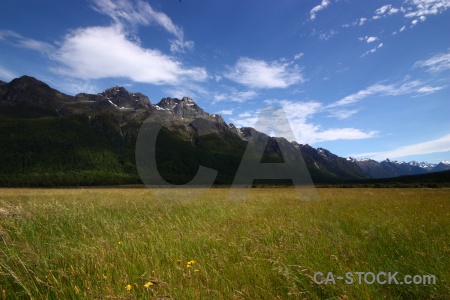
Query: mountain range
x: 48, y: 138
x: 388, y: 168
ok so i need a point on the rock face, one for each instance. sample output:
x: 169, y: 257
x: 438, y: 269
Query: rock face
x: 186, y: 108
x: 123, y: 99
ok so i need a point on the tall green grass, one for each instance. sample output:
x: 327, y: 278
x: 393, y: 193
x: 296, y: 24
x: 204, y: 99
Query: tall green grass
x: 110, y: 243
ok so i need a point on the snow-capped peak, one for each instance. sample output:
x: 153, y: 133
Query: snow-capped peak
x: 446, y: 162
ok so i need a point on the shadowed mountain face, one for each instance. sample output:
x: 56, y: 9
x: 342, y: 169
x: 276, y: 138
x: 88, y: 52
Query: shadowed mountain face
x: 48, y: 138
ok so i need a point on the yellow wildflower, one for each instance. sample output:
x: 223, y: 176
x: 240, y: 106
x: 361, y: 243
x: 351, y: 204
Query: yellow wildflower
x: 128, y: 287
x: 148, y: 284
x: 196, y: 270
x: 178, y: 261
x: 188, y: 265
x: 120, y: 243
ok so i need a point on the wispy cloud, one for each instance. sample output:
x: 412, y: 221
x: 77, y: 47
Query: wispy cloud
x: 373, y: 50
x: 187, y: 88
x: 299, y: 115
x: 357, y: 22
x: 324, y: 4
x: 235, y: 96
x: 72, y: 86
x: 19, y: 40
x: 261, y: 74
x: 141, y: 13
x: 6, y: 74
x: 437, y: 63
x: 299, y: 55
x: 416, y: 21
x: 385, y: 10
x: 226, y: 112
x: 342, y: 113
x: 409, y: 87
x: 327, y: 35
x: 434, y: 146
x: 418, y: 8
x: 362, y: 21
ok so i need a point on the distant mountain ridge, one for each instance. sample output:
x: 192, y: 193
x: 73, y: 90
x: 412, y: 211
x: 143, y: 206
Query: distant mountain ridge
x: 51, y: 138
x: 388, y: 168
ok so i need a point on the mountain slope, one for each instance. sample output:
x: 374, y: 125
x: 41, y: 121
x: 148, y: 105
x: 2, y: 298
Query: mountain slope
x: 49, y: 138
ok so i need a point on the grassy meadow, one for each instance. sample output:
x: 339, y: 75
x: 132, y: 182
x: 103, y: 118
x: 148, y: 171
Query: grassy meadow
x: 129, y: 244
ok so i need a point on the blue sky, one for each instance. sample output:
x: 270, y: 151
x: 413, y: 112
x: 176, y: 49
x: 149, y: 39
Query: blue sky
x: 360, y: 78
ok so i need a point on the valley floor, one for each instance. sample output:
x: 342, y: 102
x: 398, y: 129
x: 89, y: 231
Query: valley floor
x: 130, y: 244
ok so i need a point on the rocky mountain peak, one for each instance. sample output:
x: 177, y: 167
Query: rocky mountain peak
x: 30, y: 91
x: 186, y: 108
x: 123, y: 99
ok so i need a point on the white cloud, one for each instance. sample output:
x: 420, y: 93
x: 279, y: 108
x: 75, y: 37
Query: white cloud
x: 264, y: 75
x: 430, y: 89
x: 371, y: 39
x: 434, y: 146
x: 362, y: 21
x: 299, y: 55
x: 418, y: 8
x: 438, y: 63
x: 141, y: 13
x: 299, y: 115
x: 373, y: 50
x: 382, y: 10
x: 402, y: 88
x: 316, y: 9
x: 101, y: 52
x: 393, y: 10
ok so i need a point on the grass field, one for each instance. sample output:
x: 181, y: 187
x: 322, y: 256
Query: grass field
x: 128, y: 244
